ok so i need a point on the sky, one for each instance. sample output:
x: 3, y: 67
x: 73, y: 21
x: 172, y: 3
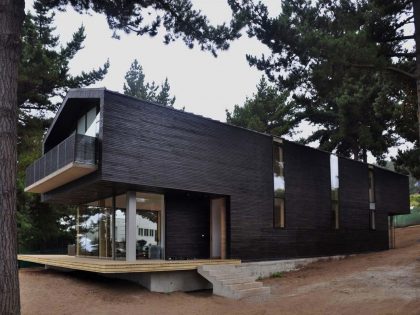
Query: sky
x: 202, y: 84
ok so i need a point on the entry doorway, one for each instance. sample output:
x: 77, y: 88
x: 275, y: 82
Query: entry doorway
x: 218, y: 228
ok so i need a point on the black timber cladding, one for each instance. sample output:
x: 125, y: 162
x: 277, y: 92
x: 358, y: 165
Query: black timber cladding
x: 147, y: 145
x: 187, y: 226
x: 391, y: 191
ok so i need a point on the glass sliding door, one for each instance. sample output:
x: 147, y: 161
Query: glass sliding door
x: 87, y: 231
x: 95, y: 229
x: 101, y: 230
x: 149, y: 209
x: 120, y: 235
x: 102, y: 227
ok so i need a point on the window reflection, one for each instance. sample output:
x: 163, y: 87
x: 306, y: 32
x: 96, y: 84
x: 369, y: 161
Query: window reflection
x: 120, y: 236
x: 279, y: 185
x: 148, y: 220
x: 335, y: 185
x: 88, y: 237
x: 102, y: 227
x: 95, y: 228
x: 372, y: 204
x: 88, y: 124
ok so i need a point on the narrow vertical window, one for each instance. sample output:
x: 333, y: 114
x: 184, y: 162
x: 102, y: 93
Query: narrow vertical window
x: 279, y: 186
x: 372, y: 204
x: 335, y: 184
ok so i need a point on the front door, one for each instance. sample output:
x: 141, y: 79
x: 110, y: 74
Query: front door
x: 218, y: 228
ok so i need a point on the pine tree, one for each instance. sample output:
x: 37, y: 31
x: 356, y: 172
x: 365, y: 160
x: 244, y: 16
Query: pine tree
x: 44, y: 64
x: 164, y: 96
x: 337, y: 59
x: 267, y: 111
x: 136, y: 85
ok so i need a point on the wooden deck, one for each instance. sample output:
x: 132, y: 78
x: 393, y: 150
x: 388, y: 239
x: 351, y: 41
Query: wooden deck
x: 120, y: 266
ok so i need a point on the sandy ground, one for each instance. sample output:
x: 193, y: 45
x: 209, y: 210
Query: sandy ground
x: 376, y: 283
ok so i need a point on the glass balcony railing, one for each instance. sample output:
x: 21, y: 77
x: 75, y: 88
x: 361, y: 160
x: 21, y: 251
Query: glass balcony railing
x: 75, y: 150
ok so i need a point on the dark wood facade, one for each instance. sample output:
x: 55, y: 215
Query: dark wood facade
x: 149, y: 147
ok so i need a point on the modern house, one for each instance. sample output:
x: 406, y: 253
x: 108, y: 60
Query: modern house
x: 155, y: 182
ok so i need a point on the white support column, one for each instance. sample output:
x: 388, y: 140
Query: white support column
x: 130, y: 229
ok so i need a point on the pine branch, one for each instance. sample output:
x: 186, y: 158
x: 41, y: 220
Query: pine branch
x: 397, y: 38
x: 389, y: 68
x: 409, y: 55
x: 403, y: 22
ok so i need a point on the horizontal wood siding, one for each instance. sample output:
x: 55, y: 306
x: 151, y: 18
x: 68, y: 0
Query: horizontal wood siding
x: 155, y: 146
x: 354, y: 194
x: 187, y: 226
x: 391, y: 191
x: 308, y: 187
x: 150, y: 147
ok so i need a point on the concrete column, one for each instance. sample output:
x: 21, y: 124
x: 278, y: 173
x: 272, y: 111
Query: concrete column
x: 130, y: 229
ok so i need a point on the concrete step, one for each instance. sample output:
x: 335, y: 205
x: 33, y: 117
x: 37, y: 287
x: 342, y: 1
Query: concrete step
x: 232, y: 282
x: 221, y: 275
x: 262, y: 291
x: 244, y: 286
x: 218, y: 267
x: 227, y: 281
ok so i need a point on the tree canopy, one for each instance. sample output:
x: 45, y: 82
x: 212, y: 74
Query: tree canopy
x: 347, y: 64
x: 44, y: 76
x: 136, y: 85
x: 266, y: 111
x: 43, y: 80
x: 177, y: 18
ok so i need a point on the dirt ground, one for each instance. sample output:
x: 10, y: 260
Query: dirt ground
x: 376, y: 283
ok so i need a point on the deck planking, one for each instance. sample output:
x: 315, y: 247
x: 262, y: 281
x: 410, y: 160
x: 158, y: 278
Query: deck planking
x: 120, y: 266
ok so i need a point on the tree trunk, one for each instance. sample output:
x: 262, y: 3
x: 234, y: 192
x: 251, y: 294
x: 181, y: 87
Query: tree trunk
x: 416, y: 13
x: 11, y: 19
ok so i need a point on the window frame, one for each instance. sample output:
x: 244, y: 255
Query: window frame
x: 372, y: 198
x: 279, y: 220
x: 335, y: 193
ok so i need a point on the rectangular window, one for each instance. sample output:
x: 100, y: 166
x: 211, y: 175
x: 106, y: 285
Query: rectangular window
x: 335, y: 185
x: 372, y: 201
x: 279, y: 186
x: 88, y: 124
x: 278, y: 213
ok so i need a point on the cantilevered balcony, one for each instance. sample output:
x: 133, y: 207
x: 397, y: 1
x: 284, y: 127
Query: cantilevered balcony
x: 71, y: 159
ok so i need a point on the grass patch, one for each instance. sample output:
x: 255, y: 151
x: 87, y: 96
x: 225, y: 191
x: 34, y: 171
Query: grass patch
x: 276, y: 275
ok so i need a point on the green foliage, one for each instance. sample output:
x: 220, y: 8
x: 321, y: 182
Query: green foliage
x: 415, y: 200
x: 276, y: 275
x: 267, y: 111
x: 346, y: 67
x: 43, y: 80
x: 136, y: 86
x: 178, y: 18
x: 41, y: 226
x: 44, y: 64
x: 408, y: 162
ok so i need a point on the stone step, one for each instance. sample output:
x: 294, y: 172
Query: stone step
x: 262, y: 291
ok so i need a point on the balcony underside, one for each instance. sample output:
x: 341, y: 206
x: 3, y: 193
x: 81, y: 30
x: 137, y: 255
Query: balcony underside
x: 62, y: 176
